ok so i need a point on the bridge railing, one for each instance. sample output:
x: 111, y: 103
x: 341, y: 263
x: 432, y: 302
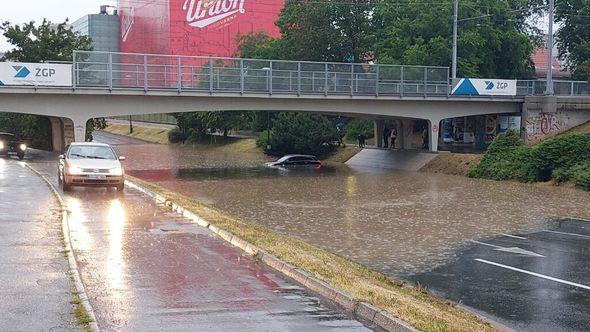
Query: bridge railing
x: 560, y: 88
x: 217, y: 74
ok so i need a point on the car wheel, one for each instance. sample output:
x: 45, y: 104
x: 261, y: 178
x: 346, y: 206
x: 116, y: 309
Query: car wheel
x: 120, y: 187
x: 21, y: 156
x: 65, y: 187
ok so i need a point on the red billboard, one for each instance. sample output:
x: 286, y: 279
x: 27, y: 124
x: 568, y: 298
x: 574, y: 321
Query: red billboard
x: 193, y: 27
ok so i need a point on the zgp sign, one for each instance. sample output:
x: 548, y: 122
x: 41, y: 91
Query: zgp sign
x: 40, y: 74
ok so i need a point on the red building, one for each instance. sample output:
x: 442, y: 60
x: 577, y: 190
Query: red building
x: 193, y: 27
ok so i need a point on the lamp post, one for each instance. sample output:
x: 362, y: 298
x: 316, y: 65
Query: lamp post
x: 549, y: 88
x: 455, y: 19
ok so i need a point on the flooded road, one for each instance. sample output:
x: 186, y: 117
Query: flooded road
x: 400, y: 223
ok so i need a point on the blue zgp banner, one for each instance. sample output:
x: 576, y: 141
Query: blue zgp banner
x: 484, y: 87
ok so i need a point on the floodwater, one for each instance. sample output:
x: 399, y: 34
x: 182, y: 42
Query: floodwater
x: 400, y: 223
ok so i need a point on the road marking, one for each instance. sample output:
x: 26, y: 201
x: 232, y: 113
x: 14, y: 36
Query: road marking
x: 534, y: 274
x: 571, y: 234
x: 513, y: 250
x: 514, y: 236
x: 579, y: 219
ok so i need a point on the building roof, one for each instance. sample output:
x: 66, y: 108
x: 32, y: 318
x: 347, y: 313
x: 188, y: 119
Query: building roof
x: 539, y: 58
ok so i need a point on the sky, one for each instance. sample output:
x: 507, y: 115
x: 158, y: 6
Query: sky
x: 21, y: 11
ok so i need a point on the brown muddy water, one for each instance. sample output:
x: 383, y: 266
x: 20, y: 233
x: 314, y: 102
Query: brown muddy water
x: 400, y: 223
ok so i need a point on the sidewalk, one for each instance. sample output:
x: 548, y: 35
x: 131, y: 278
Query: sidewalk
x: 35, y: 293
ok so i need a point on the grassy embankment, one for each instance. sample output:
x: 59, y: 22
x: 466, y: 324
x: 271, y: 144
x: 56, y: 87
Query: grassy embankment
x: 221, y: 144
x: 413, y: 305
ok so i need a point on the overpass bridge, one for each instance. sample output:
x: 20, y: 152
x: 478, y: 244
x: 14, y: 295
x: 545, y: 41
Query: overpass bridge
x: 114, y: 84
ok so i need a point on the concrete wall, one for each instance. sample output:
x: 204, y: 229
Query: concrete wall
x: 545, y: 116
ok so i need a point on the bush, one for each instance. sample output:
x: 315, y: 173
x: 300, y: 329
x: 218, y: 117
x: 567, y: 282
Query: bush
x: 176, y: 136
x: 581, y: 175
x: 562, y: 158
x: 262, y: 141
x: 357, y: 127
x: 302, y: 133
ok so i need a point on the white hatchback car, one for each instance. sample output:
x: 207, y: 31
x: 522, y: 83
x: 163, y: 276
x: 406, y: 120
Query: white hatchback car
x: 90, y: 164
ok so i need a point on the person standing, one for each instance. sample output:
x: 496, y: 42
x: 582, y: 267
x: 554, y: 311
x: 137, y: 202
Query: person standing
x: 385, y: 137
x: 393, y: 137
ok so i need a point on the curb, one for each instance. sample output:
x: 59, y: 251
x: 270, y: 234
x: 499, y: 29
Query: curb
x: 75, y: 273
x: 361, y: 310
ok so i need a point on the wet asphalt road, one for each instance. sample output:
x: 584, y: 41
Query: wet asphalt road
x: 35, y: 293
x: 147, y: 269
x: 531, y: 282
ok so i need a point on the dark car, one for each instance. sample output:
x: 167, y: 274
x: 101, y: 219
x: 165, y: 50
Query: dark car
x: 296, y: 160
x: 11, y: 145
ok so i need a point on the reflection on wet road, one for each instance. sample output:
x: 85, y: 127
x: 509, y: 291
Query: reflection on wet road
x: 146, y: 268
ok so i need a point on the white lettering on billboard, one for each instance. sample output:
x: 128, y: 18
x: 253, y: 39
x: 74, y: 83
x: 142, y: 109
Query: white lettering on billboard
x: 202, y: 13
x: 485, y: 87
x: 41, y: 74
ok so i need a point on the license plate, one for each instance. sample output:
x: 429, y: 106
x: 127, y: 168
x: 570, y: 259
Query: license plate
x: 97, y: 177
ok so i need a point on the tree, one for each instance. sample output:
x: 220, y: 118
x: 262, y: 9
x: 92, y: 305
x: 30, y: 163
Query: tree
x: 573, y: 36
x: 302, y: 133
x: 47, y: 41
x: 316, y: 31
x: 495, y: 44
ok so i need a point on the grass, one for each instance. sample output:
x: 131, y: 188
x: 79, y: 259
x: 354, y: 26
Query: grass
x: 414, y: 305
x: 82, y: 317
x: 148, y: 134
x: 342, y: 155
x: 452, y: 163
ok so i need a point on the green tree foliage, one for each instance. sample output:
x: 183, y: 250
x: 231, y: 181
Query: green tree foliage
x: 302, y: 133
x: 34, y: 130
x: 573, y: 36
x: 316, y: 31
x: 359, y: 126
x: 416, y: 32
x: 562, y: 158
x: 197, y: 125
x: 47, y: 41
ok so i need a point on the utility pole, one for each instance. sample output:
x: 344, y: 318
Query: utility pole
x: 130, y: 125
x: 455, y: 19
x: 549, y: 89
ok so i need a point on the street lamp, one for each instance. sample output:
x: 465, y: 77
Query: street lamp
x: 549, y: 88
x: 455, y: 19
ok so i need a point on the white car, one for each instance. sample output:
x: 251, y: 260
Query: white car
x: 90, y: 164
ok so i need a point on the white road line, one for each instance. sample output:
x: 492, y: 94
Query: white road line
x: 487, y: 244
x: 534, y: 274
x: 514, y: 236
x: 571, y: 234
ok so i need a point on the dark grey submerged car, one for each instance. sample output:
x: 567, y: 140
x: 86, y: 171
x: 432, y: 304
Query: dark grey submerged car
x: 10, y: 144
x: 296, y: 161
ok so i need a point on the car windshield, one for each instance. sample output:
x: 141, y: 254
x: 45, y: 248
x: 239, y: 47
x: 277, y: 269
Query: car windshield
x: 7, y: 137
x: 91, y: 152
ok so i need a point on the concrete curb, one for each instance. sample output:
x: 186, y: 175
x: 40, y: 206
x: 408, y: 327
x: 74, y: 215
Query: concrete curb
x: 361, y: 310
x: 75, y: 273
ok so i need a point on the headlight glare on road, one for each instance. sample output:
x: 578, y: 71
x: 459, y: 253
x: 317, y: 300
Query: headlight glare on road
x: 116, y: 171
x: 23, y: 147
x: 74, y: 170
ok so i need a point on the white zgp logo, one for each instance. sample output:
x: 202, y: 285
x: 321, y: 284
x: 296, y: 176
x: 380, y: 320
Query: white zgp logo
x: 202, y: 13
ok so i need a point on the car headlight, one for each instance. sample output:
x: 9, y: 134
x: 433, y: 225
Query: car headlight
x: 116, y: 171
x: 23, y: 147
x: 74, y: 170
x: 1, y: 145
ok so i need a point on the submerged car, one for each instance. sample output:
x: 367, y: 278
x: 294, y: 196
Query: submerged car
x: 90, y: 164
x: 295, y: 161
x: 11, y: 145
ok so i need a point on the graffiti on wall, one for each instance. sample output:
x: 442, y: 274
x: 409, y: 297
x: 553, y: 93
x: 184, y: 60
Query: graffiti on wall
x: 544, y: 125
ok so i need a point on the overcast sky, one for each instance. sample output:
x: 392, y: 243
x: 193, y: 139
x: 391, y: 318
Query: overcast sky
x: 21, y: 11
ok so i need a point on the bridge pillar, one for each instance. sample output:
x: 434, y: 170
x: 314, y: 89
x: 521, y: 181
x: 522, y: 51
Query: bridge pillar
x: 378, y: 132
x: 405, y: 133
x: 57, y: 134
x: 77, y: 127
x: 434, y: 126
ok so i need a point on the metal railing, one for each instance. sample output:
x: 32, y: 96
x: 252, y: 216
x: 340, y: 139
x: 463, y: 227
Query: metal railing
x: 109, y: 70
x: 217, y: 74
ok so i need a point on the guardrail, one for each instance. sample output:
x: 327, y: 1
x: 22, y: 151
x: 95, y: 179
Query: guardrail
x: 216, y: 74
